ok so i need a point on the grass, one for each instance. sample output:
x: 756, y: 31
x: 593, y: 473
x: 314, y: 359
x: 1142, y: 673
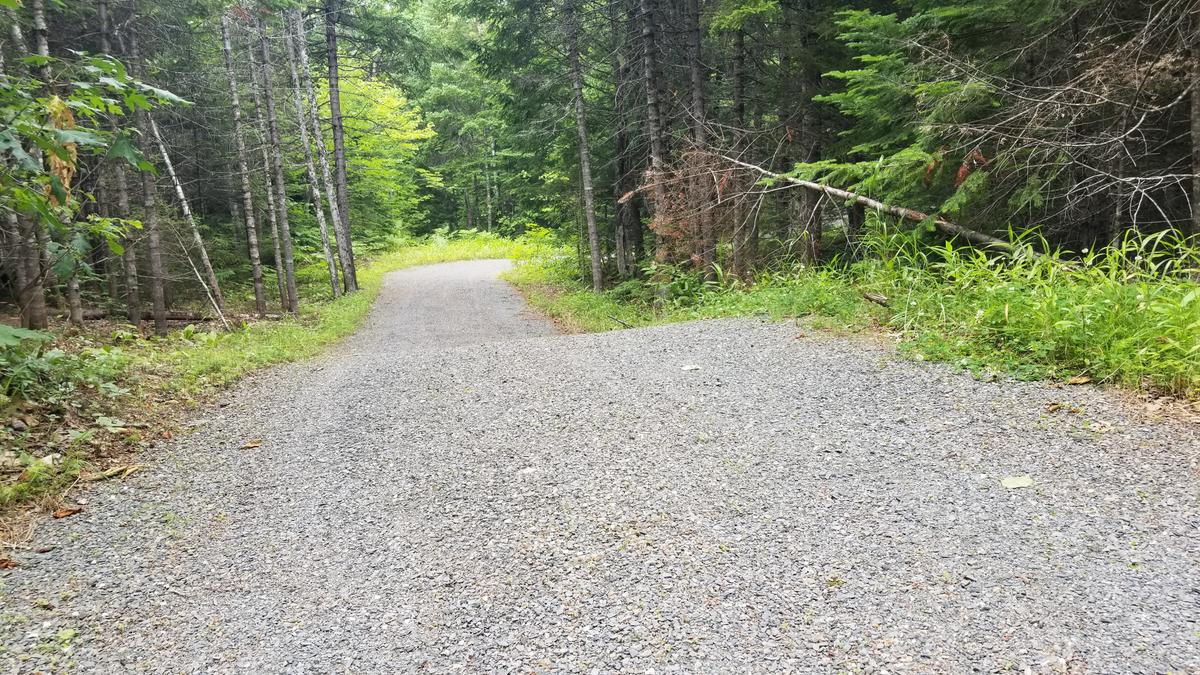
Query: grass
x: 107, y: 393
x: 209, y: 360
x: 1127, y: 315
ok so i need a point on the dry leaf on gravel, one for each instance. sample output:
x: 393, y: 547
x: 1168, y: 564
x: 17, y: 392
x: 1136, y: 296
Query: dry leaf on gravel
x: 1017, y: 482
x: 7, y: 564
x: 67, y: 511
x: 251, y: 444
x: 1079, y: 379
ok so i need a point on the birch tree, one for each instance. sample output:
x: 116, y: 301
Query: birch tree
x: 275, y: 144
x: 260, y: 303
x: 302, y: 120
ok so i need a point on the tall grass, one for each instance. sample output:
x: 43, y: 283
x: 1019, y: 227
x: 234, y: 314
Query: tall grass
x: 1127, y: 314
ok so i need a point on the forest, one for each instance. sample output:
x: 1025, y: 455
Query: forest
x: 174, y: 153
x: 1010, y: 184
x: 599, y: 336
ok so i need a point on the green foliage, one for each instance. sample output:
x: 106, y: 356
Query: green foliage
x: 733, y: 14
x: 384, y: 134
x: 1127, y: 315
x: 35, y: 371
x: 65, y: 126
x: 40, y: 477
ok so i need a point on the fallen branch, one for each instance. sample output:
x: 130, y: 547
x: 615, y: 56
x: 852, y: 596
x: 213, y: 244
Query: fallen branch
x: 945, y: 226
x: 876, y: 298
x: 122, y: 471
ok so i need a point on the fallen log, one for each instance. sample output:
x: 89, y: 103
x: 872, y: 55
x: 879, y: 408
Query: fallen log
x: 943, y: 225
x: 97, y: 314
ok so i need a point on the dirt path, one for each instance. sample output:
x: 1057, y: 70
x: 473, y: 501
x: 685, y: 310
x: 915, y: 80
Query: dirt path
x: 458, y: 489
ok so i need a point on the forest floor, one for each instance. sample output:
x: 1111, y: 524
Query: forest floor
x: 459, y: 487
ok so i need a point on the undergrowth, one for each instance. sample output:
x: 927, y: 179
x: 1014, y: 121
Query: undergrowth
x: 1128, y: 314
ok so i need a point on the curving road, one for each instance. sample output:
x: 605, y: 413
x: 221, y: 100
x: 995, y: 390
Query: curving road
x: 459, y: 489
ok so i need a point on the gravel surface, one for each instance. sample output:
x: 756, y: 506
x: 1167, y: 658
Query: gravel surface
x: 458, y: 489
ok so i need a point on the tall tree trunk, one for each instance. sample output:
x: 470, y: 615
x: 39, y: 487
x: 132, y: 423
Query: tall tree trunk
x: 495, y: 181
x: 741, y: 264
x: 332, y: 14
x: 260, y: 301
x: 803, y: 208
x: 32, y: 296
x: 213, y: 286
x: 314, y: 190
x: 706, y: 242
x: 654, y: 123
x: 1195, y: 119
x: 341, y: 235
x: 487, y: 187
x: 129, y: 262
x: 627, y: 223
x: 585, y: 157
x: 260, y: 124
x: 285, y: 230
x: 158, y: 273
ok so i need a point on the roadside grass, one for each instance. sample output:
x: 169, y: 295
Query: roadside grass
x: 1127, y: 315
x: 75, y: 404
x: 202, y: 361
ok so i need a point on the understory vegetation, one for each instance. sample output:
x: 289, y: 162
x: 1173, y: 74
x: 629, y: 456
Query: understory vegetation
x: 1127, y: 315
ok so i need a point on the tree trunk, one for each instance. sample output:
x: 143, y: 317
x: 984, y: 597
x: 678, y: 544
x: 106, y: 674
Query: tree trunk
x: 260, y: 302
x: 285, y: 230
x: 495, y: 183
x: 158, y: 274
x: 1195, y: 120
x: 471, y: 201
x: 627, y: 224
x: 314, y: 190
x: 856, y: 220
x: 585, y: 158
x: 12, y: 251
x: 129, y: 263
x: 32, y: 296
x: 332, y: 10
x: 740, y: 234
x: 341, y: 235
x: 158, y: 281
x: 487, y: 189
x: 706, y: 242
x: 654, y: 125
x: 213, y: 286
x: 268, y: 182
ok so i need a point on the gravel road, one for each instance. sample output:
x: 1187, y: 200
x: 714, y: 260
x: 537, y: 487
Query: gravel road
x: 458, y: 488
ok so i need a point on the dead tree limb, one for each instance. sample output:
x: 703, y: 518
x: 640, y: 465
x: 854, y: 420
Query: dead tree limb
x: 943, y: 225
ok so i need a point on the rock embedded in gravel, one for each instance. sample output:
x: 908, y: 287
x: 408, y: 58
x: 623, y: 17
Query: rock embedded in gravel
x: 457, y: 488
